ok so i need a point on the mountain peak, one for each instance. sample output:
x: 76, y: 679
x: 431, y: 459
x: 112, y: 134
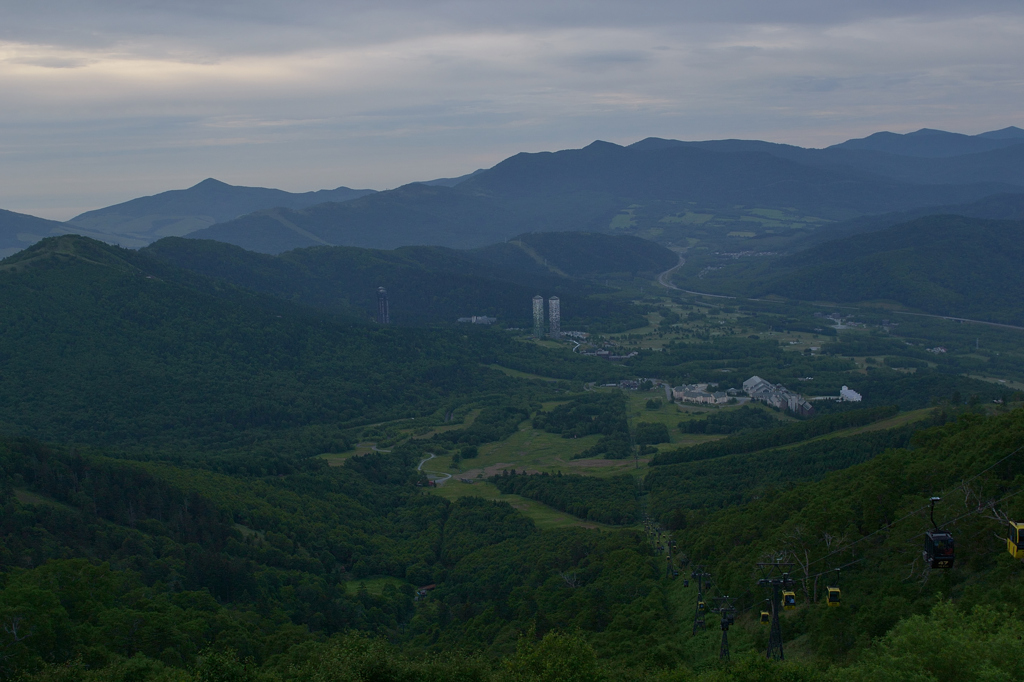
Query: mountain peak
x: 929, y: 131
x: 601, y: 145
x: 1008, y: 133
x: 210, y: 183
x: 68, y: 247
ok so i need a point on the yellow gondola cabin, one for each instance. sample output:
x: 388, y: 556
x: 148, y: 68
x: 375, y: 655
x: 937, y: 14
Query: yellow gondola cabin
x: 789, y: 600
x: 1015, y: 540
x: 835, y: 597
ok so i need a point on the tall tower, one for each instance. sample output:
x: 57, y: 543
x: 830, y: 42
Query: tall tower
x: 538, y: 316
x: 383, y: 316
x: 554, y: 318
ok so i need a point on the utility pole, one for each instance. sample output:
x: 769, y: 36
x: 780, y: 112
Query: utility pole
x: 775, y: 577
x: 671, y: 543
x: 702, y: 578
x: 724, y: 607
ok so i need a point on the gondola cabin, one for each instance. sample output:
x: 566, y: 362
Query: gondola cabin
x: 939, y: 550
x: 765, y: 618
x: 789, y: 600
x: 701, y: 607
x: 1015, y: 540
x: 835, y: 597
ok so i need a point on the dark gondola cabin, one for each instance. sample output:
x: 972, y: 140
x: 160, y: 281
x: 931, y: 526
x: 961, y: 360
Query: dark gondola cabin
x: 939, y: 550
x: 1015, y: 540
x: 765, y: 617
x: 834, y: 596
x: 789, y: 600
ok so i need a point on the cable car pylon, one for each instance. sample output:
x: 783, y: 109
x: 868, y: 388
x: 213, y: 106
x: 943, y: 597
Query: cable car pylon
x: 775, y: 577
x: 724, y: 607
x: 701, y: 577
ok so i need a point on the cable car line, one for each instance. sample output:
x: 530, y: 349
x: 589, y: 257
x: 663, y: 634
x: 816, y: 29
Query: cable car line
x: 916, y: 511
x: 938, y: 552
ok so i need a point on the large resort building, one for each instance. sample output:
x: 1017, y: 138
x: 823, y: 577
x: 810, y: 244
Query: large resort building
x: 776, y: 395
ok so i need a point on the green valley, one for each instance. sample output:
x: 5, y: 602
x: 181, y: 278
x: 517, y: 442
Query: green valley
x: 214, y: 466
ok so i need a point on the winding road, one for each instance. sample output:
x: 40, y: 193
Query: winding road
x: 663, y: 280
x: 438, y: 481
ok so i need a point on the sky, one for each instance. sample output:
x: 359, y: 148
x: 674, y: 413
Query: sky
x: 102, y: 101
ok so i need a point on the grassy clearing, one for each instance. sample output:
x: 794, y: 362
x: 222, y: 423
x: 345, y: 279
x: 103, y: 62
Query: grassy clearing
x: 374, y: 586
x: 670, y: 414
x: 26, y: 497
x: 899, y: 420
x: 336, y: 459
x: 520, y: 375
x: 540, y: 451
x: 468, y: 421
x: 544, y: 516
x: 1015, y: 385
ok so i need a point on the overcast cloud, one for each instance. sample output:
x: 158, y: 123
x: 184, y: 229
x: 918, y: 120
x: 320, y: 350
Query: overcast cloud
x: 106, y: 101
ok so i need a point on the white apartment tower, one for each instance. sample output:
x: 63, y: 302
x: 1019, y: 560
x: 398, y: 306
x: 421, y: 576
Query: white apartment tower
x: 538, y: 316
x: 554, y: 318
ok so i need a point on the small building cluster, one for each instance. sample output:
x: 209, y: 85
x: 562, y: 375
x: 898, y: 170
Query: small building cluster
x: 777, y: 396
x: 700, y: 393
x: 478, y: 319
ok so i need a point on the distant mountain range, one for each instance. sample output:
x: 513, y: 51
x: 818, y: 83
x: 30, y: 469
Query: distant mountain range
x: 931, y: 143
x: 717, y: 191
x: 586, y: 189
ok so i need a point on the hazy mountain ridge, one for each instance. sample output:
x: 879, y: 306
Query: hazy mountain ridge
x: 931, y: 143
x: 999, y: 160
x: 19, y: 230
x: 436, y: 285
x: 603, y: 187
x: 178, y: 212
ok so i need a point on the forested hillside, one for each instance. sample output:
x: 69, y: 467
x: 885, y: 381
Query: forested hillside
x: 939, y: 264
x: 434, y: 285
x: 106, y: 346
x: 870, y: 520
x: 947, y: 265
